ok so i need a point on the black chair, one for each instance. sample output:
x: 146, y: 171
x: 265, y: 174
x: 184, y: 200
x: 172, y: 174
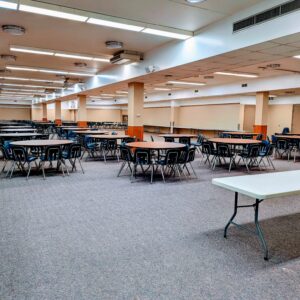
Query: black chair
x: 89, y: 146
x: 223, y: 152
x: 185, y: 140
x: 20, y: 159
x: 250, y: 156
x: 186, y: 158
x: 73, y: 154
x: 109, y: 147
x: 169, y: 139
x: 208, y: 150
x: 266, y: 152
x: 283, y: 147
x: 128, y: 140
x: 259, y: 137
x: 198, y: 143
x: 52, y: 154
x: 170, y: 161
x: 126, y: 157
x: 6, y: 156
x: 142, y: 158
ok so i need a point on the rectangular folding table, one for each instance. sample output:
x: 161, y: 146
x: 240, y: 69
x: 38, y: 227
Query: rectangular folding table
x: 260, y: 187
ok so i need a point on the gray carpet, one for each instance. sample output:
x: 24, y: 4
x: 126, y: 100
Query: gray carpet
x: 95, y: 236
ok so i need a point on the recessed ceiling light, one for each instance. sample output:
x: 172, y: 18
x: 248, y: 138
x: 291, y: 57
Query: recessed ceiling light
x: 167, y: 34
x: 52, y: 13
x: 8, y: 5
x: 247, y: 75
x: 114, y: 24
x: 13, y: 29
x: 114, y: 45
x: 186, y: 83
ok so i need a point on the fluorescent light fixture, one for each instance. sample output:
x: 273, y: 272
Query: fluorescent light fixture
x: 21, y: 69
x: 31, y: 79
x: 122, y: 61
x: 297, y: 56
x: 187, y: 83
x: 114, y: 24
x: 32, y: 86
x: 8, y: 5
x: 121, y: 92
x: 49, y: 71
x: 52, y: 13
x: 108, y: 95
x: 73, y: 56
x: 101, y: 59
x: 22, y: 90
x: 237, y: 74
x: 166, y: 34
x: 162, y: 89
x: 31, y: 51
x: 80, y: 74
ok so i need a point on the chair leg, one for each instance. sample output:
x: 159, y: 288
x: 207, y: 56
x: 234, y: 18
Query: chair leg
x: 193, y: 169
x: 162, y: 173
x: 152, y: 171
x: 12, y: 169
x: 29, y: 169
x: 43, y: 169
x: 121, y: 169
x: 81, y: 166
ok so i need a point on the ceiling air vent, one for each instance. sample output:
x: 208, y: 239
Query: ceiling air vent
x: 267, y: 15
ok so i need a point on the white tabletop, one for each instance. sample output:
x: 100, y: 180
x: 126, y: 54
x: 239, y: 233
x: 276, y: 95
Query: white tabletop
x: 263, y: 186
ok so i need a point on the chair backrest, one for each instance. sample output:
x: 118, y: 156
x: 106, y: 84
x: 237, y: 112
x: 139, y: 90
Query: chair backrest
x: 223, y: 150
x: 142, y: 156
x: 247, y: 137
x: 172, y: 156
x: 152, y: 139
x: 282, y: 144
x: 169, y: 139
x: 270, y: 150
x: 4, y: 152
x: 285, y: 130
x: 207, y: 147
x: 259, y: 137
x: 52, y: 153
x: 87, y: 140
x: 75, y: 151
x: 200, y: 139
x: 191, y: 155
x: 43, y: 137
x: 274, y: 139
x: 185, y: 140
x: 111, y: 144
x: 128, y: 140
x: 125, y: 153
x: 253, y: 151
x: 19, y: 153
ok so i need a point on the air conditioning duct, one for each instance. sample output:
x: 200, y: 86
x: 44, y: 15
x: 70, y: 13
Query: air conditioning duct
x: 126, y: 57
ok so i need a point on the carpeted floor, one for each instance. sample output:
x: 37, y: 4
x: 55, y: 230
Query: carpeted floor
x: 96, y: 236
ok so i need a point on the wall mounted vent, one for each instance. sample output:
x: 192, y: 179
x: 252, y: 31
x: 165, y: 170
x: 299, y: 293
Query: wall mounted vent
x: 267, y: 15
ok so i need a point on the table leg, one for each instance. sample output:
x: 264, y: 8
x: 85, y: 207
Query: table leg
x: 236, y: 197
x: 259, y: 231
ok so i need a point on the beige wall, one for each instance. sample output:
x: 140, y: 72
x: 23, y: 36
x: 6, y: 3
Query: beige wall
x: 158, y: 116
x: 104, y: 115
x: 224, y: 117
x: 37, y: 114
x: 15, y: 113
x: 279, y: 116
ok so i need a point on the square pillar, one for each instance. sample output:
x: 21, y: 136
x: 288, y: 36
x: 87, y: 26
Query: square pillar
x: 261, y: 113
x: 82, y: 111
x: 135, y: 110
x: 44, y: 107
x: 241, y: 117
x: 58, y: 113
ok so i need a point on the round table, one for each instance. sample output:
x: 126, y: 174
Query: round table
x: 234, y: 141
x: 288, y: 137
x: 41, y: 143
x: 18, y: 130
x: 15, y: 127
x: 240, y: 134
x: 90, y: 132
x: 155, y: 145
x: 110, y: 136
x: 175, y: 135
x: 18, y: 135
